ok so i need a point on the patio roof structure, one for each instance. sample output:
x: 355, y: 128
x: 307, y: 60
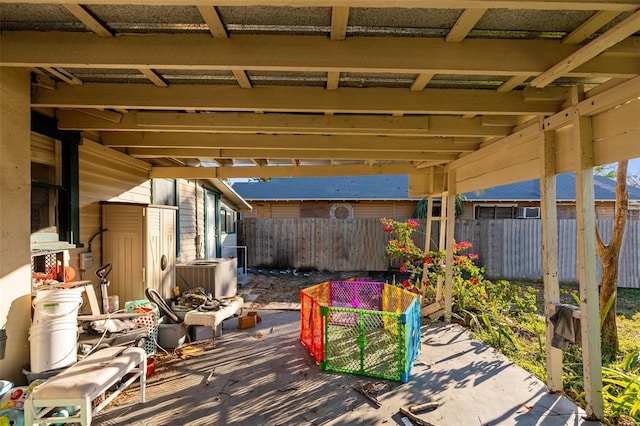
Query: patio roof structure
x: 461, y: 96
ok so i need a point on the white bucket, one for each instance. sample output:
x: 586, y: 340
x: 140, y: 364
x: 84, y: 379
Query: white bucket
x: 57, y: 305
x: 53, y: 346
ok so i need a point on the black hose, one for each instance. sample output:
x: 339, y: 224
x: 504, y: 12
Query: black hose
x: 154, y: 296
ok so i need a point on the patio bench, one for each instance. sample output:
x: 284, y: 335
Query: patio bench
x: 214, y: 318
x: 85, y: 381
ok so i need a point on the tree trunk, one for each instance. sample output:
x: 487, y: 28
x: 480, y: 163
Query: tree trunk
x: 610, y: 254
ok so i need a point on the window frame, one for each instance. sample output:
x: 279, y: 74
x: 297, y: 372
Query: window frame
x: 68, y: 225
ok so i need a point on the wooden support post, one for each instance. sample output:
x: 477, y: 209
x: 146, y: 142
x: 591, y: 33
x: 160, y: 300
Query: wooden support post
x: 427, y: 232
x: 442, y: 239
x: 451, y: 219
x: 549, y: 216
x: 586, y: 263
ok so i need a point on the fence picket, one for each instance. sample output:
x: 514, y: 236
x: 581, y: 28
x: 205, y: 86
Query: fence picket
x: 509, y: 248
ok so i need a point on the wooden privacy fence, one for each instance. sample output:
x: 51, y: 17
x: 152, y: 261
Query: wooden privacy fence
x: 508, y: 248
x: 512, y: 248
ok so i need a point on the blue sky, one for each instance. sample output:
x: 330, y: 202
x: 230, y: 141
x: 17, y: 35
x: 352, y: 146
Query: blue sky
x: 634, y: 167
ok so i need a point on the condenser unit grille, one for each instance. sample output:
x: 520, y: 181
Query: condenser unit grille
x: 219, y: 278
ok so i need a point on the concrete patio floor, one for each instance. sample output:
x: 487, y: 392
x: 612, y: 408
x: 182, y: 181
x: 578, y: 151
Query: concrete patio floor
x: 264, y: 376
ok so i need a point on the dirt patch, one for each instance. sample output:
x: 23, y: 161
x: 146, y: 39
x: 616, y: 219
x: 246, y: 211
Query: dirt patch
x: 284, y: 285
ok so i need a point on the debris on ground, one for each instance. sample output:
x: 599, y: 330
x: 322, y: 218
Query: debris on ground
x: 414, y: 419
x: 428, y: 406
x: 189, y: 351
x: 210, y: 377
x: 370, y: 390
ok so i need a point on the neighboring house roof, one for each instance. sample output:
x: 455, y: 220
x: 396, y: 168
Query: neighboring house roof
x: 386, y: 187
x: 605, y: 190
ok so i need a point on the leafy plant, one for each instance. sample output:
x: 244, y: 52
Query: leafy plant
x: 621, y: 388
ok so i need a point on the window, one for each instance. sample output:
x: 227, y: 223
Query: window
x: 228, y: 221
x: 495, y: 212
x: 164, y: 192
x: 506, y: 212
x: 54, y: 181
x: 46, y: 166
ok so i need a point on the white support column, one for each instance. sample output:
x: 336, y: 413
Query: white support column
x: 549, y: 216
x: 451, y: 220
x: 586, y: 264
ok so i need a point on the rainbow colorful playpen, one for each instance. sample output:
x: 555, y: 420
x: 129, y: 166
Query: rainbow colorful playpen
x: 361, y: 327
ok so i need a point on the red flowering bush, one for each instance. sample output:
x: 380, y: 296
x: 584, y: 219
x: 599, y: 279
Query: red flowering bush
x: 477, y: 302
x: 469, y: 284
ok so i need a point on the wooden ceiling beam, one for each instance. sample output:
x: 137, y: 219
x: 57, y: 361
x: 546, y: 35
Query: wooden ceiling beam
x: 110, y: 116
x: 154, y: 77
x: 592, y: 49
x: 333, y: 80
x: 621, y: 5
x: 421, y: 81
x: 291, y: 99
x: 286, y: 142
x: 512, y: 83
x: 290, y: 154
x: 590, y: 26
x: 243, y: 123
x: 283, y: 171
x: 212, y: 19
x: 339, y: 21
x: 242, y: 78
x: 64, y: 75
x: 315, y: 54
x: 464, y: 25
x: 88, y: 19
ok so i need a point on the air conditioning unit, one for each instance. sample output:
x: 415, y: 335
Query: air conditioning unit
x: 216, y: 276
x: 528, y: 212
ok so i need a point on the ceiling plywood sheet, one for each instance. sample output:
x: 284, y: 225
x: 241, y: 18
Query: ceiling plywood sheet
x: 532, y: 20
x: 42, y: 17
x: 113, y: 14
x: 108, y: 76
x: 404, y: 18
x: 30, y: 13
x: 261, y: 15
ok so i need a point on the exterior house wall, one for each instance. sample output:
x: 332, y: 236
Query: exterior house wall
x: 191, y: 220
x: 229, y: 240
x: 566, y: 210
x: 105, y: 175
x: 323, y: 209
x: 15, y: 201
